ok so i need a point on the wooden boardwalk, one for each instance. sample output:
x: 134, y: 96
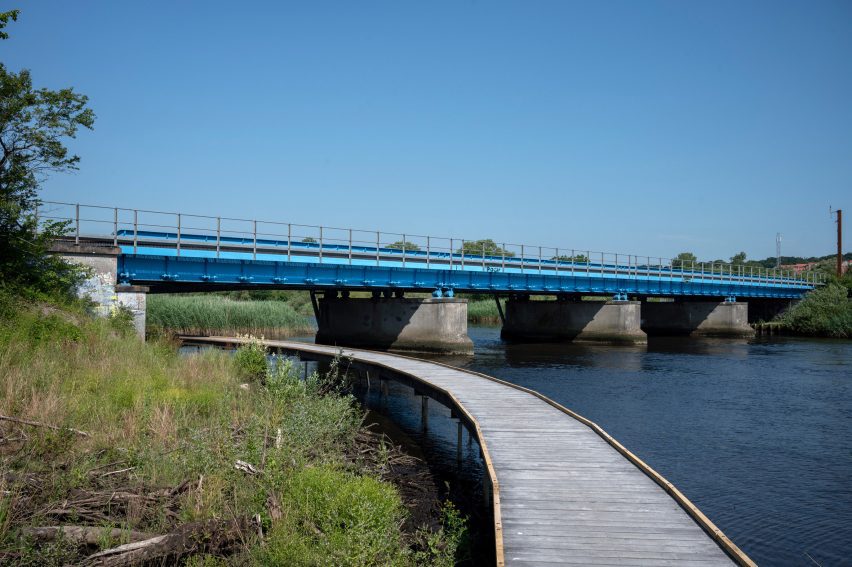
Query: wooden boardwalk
x: 564, y: 492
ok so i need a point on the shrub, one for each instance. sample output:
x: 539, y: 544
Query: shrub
x: 825, y: 312
x: 250, y: 360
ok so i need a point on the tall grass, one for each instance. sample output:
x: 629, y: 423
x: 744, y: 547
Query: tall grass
x: 158, y: 419
x: 824, y: 312
x: 211, y: 315
x: 483, y: 312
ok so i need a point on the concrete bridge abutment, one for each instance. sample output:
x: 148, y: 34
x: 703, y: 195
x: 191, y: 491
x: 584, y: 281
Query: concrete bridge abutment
x: 607, y: 322
x: 697, y: 319
x: 101, y: 286
x: 394, y: 323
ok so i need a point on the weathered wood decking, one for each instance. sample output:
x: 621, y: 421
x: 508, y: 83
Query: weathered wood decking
x: 564, y: 492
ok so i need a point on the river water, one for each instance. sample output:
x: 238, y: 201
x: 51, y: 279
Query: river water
x: 758, y: 434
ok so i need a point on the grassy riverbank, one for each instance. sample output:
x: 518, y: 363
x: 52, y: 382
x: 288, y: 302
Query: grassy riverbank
x: 215, y: 314
x: 105, y: 440
x: 824, y: 312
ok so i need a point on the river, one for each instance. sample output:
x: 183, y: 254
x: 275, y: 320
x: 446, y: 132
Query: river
x: 758, y: 434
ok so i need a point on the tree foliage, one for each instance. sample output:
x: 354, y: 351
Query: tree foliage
x: 684, y: 260
x: 407, y: 246
x: 34, y: 125
x: 482, y: 247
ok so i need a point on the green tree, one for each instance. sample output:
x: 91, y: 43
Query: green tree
x: 739, y: 258
x: 485, y: 246
x: 407, y: 246
x: 34, y: 123
x: 684, y: 260
x: 578, y: 259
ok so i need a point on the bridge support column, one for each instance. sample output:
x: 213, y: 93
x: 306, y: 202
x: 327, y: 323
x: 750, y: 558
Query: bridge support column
x: 610, y: 322
x: 395, y: 323
x: 696, y: 319
x: 102, y: 284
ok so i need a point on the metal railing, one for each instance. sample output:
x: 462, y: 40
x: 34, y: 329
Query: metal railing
x: 142, y: 229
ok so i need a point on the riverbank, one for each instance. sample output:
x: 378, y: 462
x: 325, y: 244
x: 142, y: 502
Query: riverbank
x: 215, y: 314
x: 272, y: 314
x: 106, y: 440
x: 824, y: 312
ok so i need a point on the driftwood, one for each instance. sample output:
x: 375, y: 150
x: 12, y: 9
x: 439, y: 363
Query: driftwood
x: 214, y: 536
x: 38, y: 424
x: 82, y: 535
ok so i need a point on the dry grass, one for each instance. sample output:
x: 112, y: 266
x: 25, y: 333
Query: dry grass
x: 165, y: 424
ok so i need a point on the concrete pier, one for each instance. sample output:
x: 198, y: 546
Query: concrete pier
x: 395, y: 323
x: 696, y: 319
x: 610, y: 322
x: 101, y: 286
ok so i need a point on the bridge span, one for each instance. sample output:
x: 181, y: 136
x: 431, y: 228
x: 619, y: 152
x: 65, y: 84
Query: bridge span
x: 563, y: 491
x: 178, y: 252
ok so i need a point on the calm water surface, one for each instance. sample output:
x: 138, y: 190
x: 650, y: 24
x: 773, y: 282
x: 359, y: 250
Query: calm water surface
x: 758, y: 434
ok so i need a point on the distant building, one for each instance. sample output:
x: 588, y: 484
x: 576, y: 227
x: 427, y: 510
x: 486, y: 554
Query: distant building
x: 799, y: 268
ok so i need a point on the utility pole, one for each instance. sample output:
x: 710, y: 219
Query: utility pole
x: 839, y: 242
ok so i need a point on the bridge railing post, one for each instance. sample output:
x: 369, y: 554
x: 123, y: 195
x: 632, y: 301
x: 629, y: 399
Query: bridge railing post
x: 378, y: 245
x: 350, y: 246
x: 218, y: 235
x: 428, y: 251
x: 77, y: 223
x: 254, y: 240
x: 522, y: 258
x: 114, y: 226
x: 462, y: 255
x: 451, y: 253
x: 539, y: 259
x: 483, y: 256
x: 557, y: 261
x: 178, y: 234
x: 503, y: 258
x: 320, y: 245
x: 404, y: 246
x: 135, y: 229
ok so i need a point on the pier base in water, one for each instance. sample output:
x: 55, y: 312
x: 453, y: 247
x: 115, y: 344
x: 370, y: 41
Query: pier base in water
x: 395, y: 323
x: 696, y: 319
x: 610, y: 322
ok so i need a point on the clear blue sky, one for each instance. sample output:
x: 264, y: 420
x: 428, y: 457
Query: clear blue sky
x: 642, y: 127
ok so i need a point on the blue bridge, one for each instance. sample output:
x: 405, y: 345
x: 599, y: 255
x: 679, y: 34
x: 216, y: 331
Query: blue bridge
x: 188, y: 252
x: 177, y: 252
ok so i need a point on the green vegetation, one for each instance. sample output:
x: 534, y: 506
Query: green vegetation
x: 214, y: 314
x: 577, y: 259
x: 133, y: 436
x: 400, y: 245
x: 482, y: 311
x: 824, y: 312
x: 33, y: 124
x: 482, y: 247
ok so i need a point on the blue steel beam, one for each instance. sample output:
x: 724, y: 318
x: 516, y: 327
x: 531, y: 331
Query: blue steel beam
x: 185, y: 271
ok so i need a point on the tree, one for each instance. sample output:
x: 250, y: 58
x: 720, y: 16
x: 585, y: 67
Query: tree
x: 684, y: 260
x: 485, y: 246
x: 407, y: 246
x: 578, y: 259
x: 33, y: 126
x: 739, y: 258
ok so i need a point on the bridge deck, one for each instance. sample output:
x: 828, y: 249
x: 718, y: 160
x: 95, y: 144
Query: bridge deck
x: 565, y: 492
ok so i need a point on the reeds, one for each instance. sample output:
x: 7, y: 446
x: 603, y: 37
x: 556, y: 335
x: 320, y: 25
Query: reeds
x: 216, y: 315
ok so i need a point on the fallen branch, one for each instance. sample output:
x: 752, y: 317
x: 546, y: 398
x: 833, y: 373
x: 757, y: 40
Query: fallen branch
x: 82, y: 535
x: 37, y: 424
x: 215, y: 536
